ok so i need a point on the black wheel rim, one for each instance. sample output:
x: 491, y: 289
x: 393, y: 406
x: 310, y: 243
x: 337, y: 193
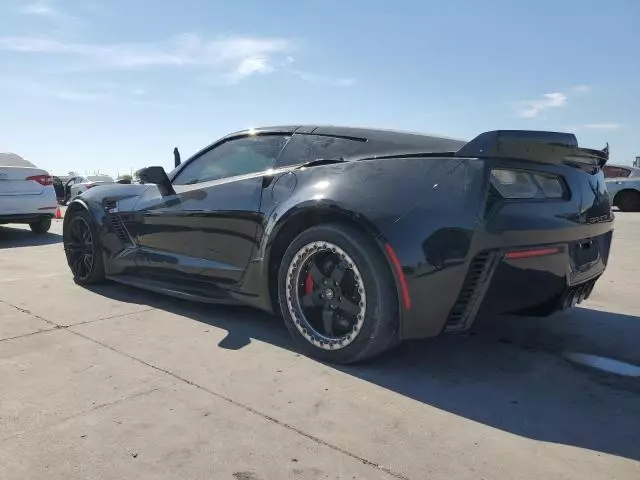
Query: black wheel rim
x: 326, y: 296
x: 79, y: 248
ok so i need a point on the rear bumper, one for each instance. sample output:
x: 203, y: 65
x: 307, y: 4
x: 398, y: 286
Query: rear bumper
x: 502, y: 281
x: 451, y: 246
x: 448, y: 295
x: 25, y: 217
x: 44, y: 203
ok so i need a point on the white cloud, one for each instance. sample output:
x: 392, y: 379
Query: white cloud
x: 252, y: 65
x: 533, y: 108
x: 324, y: 79
x: 33, y: 88
x: 602, y: 126
x: 242, y: 55
x: 226, y: 59
x: 79, y: 96
x: 46, y: 9
x: 246, y: 68
x: 39, y: 7
x: 581, y: 89
x: 154, y: 104
x: 106, y: 93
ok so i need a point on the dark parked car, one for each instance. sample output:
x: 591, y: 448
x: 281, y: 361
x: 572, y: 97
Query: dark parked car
x: 360, y: 238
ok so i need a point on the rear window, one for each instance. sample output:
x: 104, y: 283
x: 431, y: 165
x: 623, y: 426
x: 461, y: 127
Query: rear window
x: 13, y: 160
x: 611, y: 171
x: 305, y: 148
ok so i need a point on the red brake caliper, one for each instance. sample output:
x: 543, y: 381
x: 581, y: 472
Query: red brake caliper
x: 308, y: 284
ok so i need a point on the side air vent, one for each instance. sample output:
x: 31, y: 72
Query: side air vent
x: 471, y: 294
x: 116, y: 222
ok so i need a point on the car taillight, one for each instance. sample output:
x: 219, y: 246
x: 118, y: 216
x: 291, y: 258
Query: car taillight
x: 90, y: 186
x: 42, y: 179
x: 521, y: 184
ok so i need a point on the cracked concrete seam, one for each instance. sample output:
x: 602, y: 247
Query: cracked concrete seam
x: 252, y: 410
x: 57, y: 326
x: 200, y: 387
x: 80, y: 414
x: 29, y: 334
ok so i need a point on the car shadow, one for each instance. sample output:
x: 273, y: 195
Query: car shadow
x: 23, y: 237
x: 508, y: 373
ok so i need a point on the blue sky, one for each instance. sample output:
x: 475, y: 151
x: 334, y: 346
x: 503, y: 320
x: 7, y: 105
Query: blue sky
x: 114, y: 85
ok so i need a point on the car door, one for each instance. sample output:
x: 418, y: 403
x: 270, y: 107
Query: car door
x: 58, y: 186
x: 69, y: 190
x: 208, y: 228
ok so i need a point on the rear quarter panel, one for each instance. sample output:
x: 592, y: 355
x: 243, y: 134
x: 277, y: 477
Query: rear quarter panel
x: 433, y: 212
x: 425, y: 208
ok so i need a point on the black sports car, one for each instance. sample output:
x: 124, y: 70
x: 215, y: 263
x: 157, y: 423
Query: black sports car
x: 359, y: 238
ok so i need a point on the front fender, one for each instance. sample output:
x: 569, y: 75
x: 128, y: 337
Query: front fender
x: 98, y: 202
x: 94, y: 208
x: 73, y: 206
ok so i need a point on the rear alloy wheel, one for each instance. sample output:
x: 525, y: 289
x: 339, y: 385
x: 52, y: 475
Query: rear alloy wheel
x: 628, y: 201
x: 83, y: 250
x: 337, y: 294
x: 41, y: 226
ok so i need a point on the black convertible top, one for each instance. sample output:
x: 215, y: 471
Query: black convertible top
x: 375, y: 141
x: 540, y: 146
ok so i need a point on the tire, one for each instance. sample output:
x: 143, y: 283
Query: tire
x: 628, y: 201
x: 369, y: 325
x: 85, y: 258
x: 42, y: 226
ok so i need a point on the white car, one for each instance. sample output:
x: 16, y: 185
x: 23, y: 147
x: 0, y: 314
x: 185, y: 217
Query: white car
x: 623, y: 185
x: 79, y: 184
x: 26, y: 193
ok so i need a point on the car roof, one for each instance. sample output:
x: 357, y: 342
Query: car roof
x: 375, y: 137
x: 98, y: 177
x: 620, y: 165
x: 12, y: 160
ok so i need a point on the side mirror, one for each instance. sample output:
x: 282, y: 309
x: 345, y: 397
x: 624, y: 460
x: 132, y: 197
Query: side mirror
x: 158, y: 176
x: 176, y: 157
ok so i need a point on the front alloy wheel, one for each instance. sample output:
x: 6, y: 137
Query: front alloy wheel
x: 82, y: 248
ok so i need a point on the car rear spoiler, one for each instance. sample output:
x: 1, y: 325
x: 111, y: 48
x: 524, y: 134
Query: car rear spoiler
x: 537, y: 146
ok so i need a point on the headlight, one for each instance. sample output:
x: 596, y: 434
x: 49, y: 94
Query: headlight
x: 521, y: 184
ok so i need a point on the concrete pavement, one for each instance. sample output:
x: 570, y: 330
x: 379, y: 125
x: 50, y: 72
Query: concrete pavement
x: 117, y: 383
